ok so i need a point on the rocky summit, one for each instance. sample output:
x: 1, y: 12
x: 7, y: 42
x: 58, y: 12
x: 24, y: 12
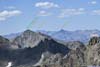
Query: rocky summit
x: 32, y: 49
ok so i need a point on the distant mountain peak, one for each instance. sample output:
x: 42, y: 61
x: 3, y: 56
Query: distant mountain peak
x: 29, y: 31
x: 62, y: 30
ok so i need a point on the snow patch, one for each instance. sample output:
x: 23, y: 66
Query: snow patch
x: 9, y: 64
x: 40, y: 61
x: 94, y: 35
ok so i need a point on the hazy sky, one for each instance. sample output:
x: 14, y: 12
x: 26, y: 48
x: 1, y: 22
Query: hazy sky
x: 19, y: 15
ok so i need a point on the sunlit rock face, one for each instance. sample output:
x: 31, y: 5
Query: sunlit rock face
x: 28, y: 39
x: 93, y: 55
x: 74, y: 45
x: 93, y: 51
x: 74, y: 59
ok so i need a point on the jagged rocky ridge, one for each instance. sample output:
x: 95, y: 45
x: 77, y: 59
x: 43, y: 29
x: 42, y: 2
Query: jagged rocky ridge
x: 31, y: 49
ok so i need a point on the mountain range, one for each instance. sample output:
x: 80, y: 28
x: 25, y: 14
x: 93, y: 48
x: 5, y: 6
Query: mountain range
x: 35, y: 49
x: 64, y: 35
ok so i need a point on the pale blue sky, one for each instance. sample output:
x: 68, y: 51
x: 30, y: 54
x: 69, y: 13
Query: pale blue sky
x: 17, y: 15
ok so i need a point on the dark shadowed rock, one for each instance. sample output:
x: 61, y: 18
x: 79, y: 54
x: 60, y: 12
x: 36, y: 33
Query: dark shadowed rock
x: 4, y: 42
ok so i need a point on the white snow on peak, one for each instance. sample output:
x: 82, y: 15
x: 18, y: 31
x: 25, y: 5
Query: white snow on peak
x: 94, y: 35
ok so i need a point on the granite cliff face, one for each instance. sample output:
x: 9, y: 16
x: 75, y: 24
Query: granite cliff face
x: 31, y: 49
x: 93, y: 52
x: 28, y: 39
